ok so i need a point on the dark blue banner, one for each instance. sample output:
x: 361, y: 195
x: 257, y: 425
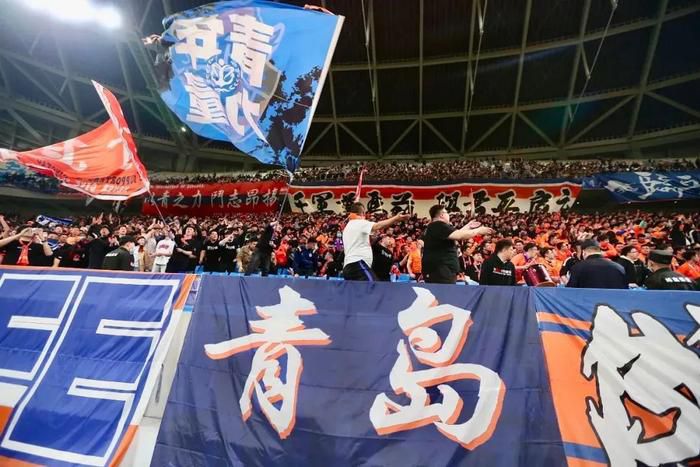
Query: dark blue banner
x: 307, y: 373
x: 648, y: 186
x: 79, y: 357
x: 250, y: 72
x: 624, y: 368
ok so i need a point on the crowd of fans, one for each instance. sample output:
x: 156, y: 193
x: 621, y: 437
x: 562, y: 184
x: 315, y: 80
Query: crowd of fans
x: 311, y: 244
x: 448, y: 171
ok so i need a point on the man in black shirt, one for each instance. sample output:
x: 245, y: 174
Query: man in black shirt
x: 662, y: 278
x: 596, y: 272
x: 229, y: 249
x: 121, y: 259
x: 498, y: 270
x: 99, y: 246
x: 383, y: 258
x: 210, y: 256
x: 27, y: 248
x: 262, y: 257
x: 628, y: 256
x: 440, y: 265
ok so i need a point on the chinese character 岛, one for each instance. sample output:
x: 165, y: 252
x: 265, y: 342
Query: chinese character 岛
x: 388, y: 416
x: 273, y: 337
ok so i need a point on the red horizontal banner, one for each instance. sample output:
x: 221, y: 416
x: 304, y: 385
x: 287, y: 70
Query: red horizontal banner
x: 215, y: 198
x: 477, y: 198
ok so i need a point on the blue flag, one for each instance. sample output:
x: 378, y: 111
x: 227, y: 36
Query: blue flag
x: 250, y: 72
x: 648, y: 186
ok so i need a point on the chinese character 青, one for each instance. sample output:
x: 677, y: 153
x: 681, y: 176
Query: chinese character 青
x: 276, y: 335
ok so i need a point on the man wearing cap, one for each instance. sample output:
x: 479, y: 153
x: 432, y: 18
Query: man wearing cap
x: 662, y: 278
x: 596, y: 272
x: 121, y: 259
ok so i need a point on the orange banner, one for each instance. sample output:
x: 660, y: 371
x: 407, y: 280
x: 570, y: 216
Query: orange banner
x: 102, y: 163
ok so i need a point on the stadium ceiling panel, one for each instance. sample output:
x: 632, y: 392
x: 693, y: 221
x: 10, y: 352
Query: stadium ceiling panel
x: 569, y: 78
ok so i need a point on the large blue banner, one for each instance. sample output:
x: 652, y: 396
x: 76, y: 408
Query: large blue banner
x: 79, y: 357
x: 250, y: 72
x: 624, y: 369
x: 307, y: 373
x: 648, y: 186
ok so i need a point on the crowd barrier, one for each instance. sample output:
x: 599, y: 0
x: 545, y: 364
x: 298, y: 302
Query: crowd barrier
x: 102, y: 368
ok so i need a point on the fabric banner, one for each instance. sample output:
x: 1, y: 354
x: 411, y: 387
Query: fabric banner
x: 215, y: 198
x: 496, y: 198
x: 624, y: 368
x: 80, y: 354
x: 102, y: 163
x: 307, y: 373
x: 238, y: 74
x: 648, y: 186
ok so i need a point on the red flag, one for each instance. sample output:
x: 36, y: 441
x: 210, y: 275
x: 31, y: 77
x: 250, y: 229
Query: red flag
x: 102, y: 163
x: 359, y: 185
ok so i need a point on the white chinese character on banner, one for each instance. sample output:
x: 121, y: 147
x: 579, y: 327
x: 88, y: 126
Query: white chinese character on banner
x: 635, y: 366
x: 217, y: 195
x: 197, y: 200
x: 270, y: 197
x: 164, y: 199
x: 273, y: 337
x: 388, y: 416
x: 177, y: 202
x: 251, y: 46
x: 205, y: 103
x: 200, y: 37
x: 252, y: 197
x: 234, y: 201
x: 240, y: 103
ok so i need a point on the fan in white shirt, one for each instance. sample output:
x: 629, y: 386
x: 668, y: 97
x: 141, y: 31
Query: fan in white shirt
x: 358, y: 251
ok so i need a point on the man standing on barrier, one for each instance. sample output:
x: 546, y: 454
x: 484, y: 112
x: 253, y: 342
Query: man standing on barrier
x: 662, y: 278
x: 440, y: 263
x: 358, y: 251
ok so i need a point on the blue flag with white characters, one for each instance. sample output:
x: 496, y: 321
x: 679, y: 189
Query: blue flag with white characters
x: 250, y: 72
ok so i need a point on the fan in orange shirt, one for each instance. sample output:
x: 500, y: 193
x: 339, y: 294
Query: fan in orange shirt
x: 415, y: 260
x: 551, y: 264
x: 524, y: 260
x: 691, y: 267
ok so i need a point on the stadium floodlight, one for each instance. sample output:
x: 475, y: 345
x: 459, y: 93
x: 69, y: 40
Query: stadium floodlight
x: 78, y: 11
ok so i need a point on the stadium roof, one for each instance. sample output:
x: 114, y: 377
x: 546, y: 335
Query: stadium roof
x: 531, y: 96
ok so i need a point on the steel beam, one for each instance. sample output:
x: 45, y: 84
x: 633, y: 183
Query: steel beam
x: 357, y: 138
x: 375, y: 81
x: 519, y: 76
x: 441, y: 137
x: 331, y: 83
x: 574, y: 70
x: 467, y: 85
x: 401, y: 137
x: 488, y: 132
x: 48, y: 93
x: 621, y: 92
x: 675, y: 104
x: 421, y: 13
x: 129, y: 88
x: 320, y: 135
x: 537, y: 47
x: 648, y: 61
x: 536, y: 129
x: 600, y: 119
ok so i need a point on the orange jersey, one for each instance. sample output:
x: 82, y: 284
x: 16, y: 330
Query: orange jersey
x: 416, y: 261
x: 691, y: 271
x: 552, y: 268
